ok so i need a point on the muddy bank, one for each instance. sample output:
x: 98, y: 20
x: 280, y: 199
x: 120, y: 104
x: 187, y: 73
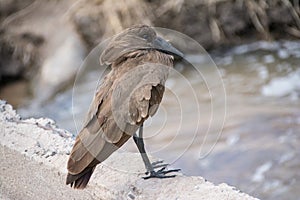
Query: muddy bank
x: 39, y: 45
x: 19, y: 51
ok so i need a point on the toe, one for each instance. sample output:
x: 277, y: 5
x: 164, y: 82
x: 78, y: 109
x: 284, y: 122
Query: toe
x: 157, y: 162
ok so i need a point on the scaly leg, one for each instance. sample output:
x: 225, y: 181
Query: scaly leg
x: 150, y: 167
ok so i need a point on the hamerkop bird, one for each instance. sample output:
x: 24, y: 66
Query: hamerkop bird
x: 129, y: 94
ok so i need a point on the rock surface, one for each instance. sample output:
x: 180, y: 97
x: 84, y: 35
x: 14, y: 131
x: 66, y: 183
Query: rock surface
x: 34, y: 155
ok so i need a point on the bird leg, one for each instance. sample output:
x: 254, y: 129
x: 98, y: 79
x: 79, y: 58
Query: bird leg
x: 161, y: 173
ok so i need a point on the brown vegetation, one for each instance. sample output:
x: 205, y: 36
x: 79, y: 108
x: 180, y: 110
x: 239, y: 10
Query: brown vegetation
x: 210, y: 22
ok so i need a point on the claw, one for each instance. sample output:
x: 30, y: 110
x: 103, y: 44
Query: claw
x: 161, y: 173
x: 160, y: 166
x: 157, y: 164
x: 159, y: 176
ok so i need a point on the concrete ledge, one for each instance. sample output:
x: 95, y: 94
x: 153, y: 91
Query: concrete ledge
x: 46, y: 147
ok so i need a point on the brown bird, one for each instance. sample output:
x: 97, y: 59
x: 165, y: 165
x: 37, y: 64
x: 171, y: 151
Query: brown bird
x: 129, y: 94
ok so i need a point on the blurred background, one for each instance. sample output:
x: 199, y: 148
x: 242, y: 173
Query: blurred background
x: 255, y: 45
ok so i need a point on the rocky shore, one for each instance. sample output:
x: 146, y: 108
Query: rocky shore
x: 34, y: 154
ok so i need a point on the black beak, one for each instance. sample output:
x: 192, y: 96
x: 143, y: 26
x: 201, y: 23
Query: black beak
x: 164, y: 46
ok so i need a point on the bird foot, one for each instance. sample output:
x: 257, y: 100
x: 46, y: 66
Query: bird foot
x: 160, y: 173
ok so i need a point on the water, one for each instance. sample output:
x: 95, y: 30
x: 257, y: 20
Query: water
x: 258, y: 150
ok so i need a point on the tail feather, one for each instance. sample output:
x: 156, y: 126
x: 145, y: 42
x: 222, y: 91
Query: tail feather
x: 80, y: 181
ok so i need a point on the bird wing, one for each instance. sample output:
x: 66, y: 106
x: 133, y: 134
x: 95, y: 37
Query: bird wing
x: 116, y: 113
x: 89, y: 142
x: 138, y: 94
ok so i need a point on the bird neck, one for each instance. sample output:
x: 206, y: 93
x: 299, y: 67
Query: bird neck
x: 140, y: 57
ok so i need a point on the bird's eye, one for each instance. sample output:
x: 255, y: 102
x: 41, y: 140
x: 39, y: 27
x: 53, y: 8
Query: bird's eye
x: 145, y: 36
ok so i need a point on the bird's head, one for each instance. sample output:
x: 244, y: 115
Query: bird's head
x: 141, y: 37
